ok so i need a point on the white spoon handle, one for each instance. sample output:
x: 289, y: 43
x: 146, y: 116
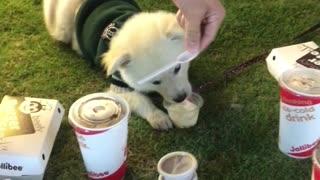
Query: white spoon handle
x: 156, y: 73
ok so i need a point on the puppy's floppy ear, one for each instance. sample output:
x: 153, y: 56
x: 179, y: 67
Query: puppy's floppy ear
x: 113, y: 62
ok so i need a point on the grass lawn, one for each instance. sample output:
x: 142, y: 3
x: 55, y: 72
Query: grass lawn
x: 229, y: 143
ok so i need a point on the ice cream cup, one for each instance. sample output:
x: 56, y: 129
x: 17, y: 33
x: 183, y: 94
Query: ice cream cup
x: 178, y: 165
x: 185, y: 114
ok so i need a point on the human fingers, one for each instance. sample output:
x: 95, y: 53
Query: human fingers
x: 180, y: 19
x: 210, y: 28
x: 193, y: 34
x: 211, y: 25
x: 190, y: 20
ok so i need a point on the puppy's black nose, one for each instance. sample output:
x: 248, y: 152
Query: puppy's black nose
x: 180, y: 98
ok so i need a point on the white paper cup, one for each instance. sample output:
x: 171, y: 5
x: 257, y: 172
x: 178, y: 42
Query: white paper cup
x: 100, y: 122
x: 177, y: 165
x: 195, y: 177
x: 185, y: 114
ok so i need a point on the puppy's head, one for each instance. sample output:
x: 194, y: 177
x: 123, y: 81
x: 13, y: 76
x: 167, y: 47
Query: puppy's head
x: 145, y: 43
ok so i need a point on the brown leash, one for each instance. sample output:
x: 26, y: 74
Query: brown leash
x: 260, y: 58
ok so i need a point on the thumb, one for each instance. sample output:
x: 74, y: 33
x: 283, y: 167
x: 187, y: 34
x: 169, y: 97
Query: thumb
x: 193, y: 35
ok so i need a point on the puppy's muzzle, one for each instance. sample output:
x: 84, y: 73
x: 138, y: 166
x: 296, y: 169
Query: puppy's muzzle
x: 181, y: 97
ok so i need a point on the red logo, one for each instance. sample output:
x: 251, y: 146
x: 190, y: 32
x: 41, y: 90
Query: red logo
x: 98, y: 175
x: 303, y: 151
x: 118, y: 174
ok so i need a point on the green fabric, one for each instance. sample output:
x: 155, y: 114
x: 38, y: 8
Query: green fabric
x: 92, y: 19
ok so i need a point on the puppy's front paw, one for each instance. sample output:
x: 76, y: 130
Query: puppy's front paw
x: 159, y: 120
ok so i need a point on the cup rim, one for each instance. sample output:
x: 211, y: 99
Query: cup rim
x: 172, y: 154
x: 200, y: 99
x: 195, y: 177
x: 289, y: 73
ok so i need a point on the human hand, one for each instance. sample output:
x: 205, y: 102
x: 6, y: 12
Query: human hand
x: 201, y: 20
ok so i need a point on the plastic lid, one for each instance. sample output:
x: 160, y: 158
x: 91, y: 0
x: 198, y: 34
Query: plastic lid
x: 100, y: 110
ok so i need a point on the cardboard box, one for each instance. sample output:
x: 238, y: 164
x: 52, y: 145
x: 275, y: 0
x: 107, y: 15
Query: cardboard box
x: 304, y: 55
x: 28, y: 128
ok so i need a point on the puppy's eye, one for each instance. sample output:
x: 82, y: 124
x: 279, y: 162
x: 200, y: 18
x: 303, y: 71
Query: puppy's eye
x: 156, y: 82
x: 177, y: 69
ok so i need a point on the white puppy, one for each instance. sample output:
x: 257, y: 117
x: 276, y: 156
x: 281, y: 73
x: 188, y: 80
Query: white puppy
x: 142, y: 43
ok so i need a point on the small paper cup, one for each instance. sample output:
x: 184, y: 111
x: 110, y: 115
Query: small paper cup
x: 185, y: 114
x: 195, y: 177
x: 177, y: 165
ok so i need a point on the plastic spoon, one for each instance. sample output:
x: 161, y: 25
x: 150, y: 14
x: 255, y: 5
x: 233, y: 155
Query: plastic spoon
x: 181, y: 58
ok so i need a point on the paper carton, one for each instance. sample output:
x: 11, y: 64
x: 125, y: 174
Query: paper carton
x: 28, y: 128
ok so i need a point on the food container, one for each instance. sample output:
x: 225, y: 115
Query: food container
x: 185, y: 114
x: 100, y: 122
x: 178, y: 165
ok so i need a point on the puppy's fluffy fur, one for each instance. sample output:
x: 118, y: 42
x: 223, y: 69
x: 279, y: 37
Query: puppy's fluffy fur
x: 142, y: 42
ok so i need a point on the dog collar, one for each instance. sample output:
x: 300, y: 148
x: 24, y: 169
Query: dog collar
x: 116, y: 80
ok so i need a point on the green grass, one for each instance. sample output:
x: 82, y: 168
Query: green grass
x: 229, y: 143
